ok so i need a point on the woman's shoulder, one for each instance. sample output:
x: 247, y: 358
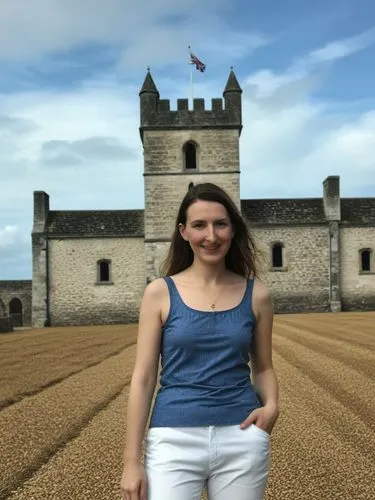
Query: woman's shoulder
x: 261, y: 291
x: 156, y: 288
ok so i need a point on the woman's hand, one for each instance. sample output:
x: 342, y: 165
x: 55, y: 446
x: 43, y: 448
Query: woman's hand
x: 133, y: 481
x: 264, y: 417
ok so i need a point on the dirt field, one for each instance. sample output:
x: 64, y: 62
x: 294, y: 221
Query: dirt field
x: 63, y: 396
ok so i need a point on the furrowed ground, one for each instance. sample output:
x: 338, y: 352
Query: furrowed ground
x: 63, y: 396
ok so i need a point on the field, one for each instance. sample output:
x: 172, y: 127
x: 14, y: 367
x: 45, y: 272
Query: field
x: 63, y: 396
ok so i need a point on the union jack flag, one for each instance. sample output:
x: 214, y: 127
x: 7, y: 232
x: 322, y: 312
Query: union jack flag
x: 198, y: 64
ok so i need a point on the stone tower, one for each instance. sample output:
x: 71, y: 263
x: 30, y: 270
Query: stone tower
x: 40, y: 302
x: 184, y: 146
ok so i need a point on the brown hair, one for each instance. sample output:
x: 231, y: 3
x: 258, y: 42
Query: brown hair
x: 242, y: 255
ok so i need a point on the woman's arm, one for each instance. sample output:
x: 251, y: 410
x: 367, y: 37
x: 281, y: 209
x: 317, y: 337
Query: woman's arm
x: 265, y: 380
x: 145, y: 369
x: 264, y: 376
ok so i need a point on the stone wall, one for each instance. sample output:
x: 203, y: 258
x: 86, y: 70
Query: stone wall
x: 303, y: 284
x: 155, y: 254
x: 5, y: 323
x: 357, y: 288
x: 76, y: 298
x: 164, y: 195
x: 218, y: 150
x: 21, y: 290
x: 166, y: 182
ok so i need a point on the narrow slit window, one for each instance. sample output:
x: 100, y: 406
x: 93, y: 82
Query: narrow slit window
x: 366, y: 260
x: 104, y: 271
x: 277, y: 255
x: 190, y: 152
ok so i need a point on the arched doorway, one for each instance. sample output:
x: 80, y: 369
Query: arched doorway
x: 15, y: 312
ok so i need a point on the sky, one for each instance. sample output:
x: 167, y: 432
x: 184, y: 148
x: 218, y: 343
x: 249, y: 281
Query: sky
x: 71, y: 71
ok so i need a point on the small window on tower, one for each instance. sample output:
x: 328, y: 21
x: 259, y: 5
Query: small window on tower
x: 278, y: 257
x: 365, y: 260
x: 104, y: 272
x: 190, y: 156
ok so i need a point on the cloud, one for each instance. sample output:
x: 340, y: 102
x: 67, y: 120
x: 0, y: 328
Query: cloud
x: 288, y: 152
x: 14, y: 252
x: 297, y: 139
x: 237, y: 45
x: 93, y: 149
x: 8, y: 236
x: 91, y: 131
x: 35, y: 29
x: 303, y: 72
x: 165, y: 44
x: 15, y: 125
x: 342, y: 48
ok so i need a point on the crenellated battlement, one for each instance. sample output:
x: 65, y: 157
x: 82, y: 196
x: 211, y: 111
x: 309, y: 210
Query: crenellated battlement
x: 224, y: 112
x: 164, y: 105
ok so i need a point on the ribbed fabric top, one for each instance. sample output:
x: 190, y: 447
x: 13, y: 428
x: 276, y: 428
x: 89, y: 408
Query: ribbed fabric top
x: 205, y: 376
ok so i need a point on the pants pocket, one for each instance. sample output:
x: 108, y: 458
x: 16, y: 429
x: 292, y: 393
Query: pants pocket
x: 260, y: 432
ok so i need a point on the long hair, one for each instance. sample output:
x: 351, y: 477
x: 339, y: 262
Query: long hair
x: 242, y: 256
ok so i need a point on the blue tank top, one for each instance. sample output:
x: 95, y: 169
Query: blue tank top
x: 205, y: 375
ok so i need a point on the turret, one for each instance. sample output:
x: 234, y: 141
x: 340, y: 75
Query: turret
x: 232, y: 97
x: 149, y: 97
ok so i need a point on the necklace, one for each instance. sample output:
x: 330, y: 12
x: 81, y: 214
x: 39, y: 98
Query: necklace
x: 213, y: 304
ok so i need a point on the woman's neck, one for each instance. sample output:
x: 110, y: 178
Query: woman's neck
x: 208, y: 275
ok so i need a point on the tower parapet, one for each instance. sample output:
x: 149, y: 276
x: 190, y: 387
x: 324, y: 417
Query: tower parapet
x: 225, y: 113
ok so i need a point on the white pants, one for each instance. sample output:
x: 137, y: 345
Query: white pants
x: 232, y: 462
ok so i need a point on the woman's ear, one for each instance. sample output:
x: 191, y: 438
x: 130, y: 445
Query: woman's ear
x: 182, y: 229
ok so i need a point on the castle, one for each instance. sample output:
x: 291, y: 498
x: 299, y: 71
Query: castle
x: 91, y: 267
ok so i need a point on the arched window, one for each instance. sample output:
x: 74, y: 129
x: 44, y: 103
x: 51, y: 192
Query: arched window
x: 15, y: 312
x: 104, y: 271
x: 365, y: 260
x: 277, y: 255
x: 190, y: 151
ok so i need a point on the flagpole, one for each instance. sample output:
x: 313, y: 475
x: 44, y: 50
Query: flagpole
x: 191, y: 78
x: 191, y: 85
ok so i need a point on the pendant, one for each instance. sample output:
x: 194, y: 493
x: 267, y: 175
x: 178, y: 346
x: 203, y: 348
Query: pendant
x: 212, y: 306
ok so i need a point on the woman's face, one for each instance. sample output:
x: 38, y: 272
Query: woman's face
x: 209, y: 230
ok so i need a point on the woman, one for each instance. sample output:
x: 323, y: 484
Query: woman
x: 207, y: 318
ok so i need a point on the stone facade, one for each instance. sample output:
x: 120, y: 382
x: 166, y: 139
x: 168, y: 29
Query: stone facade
x: 16, y: 299
x: 92, y: 266
x: 163, y: 195
x: 302, y: 284
x: 357, y: 286
x: 5, y: 323
x: 76, y: 295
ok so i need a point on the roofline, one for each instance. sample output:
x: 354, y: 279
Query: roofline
x: 281, y: 199
x: 118, y: 211
x: 64, y: 236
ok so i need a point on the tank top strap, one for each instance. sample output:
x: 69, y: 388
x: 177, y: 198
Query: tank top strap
x: 173, y: 293
x: 247, y: 302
